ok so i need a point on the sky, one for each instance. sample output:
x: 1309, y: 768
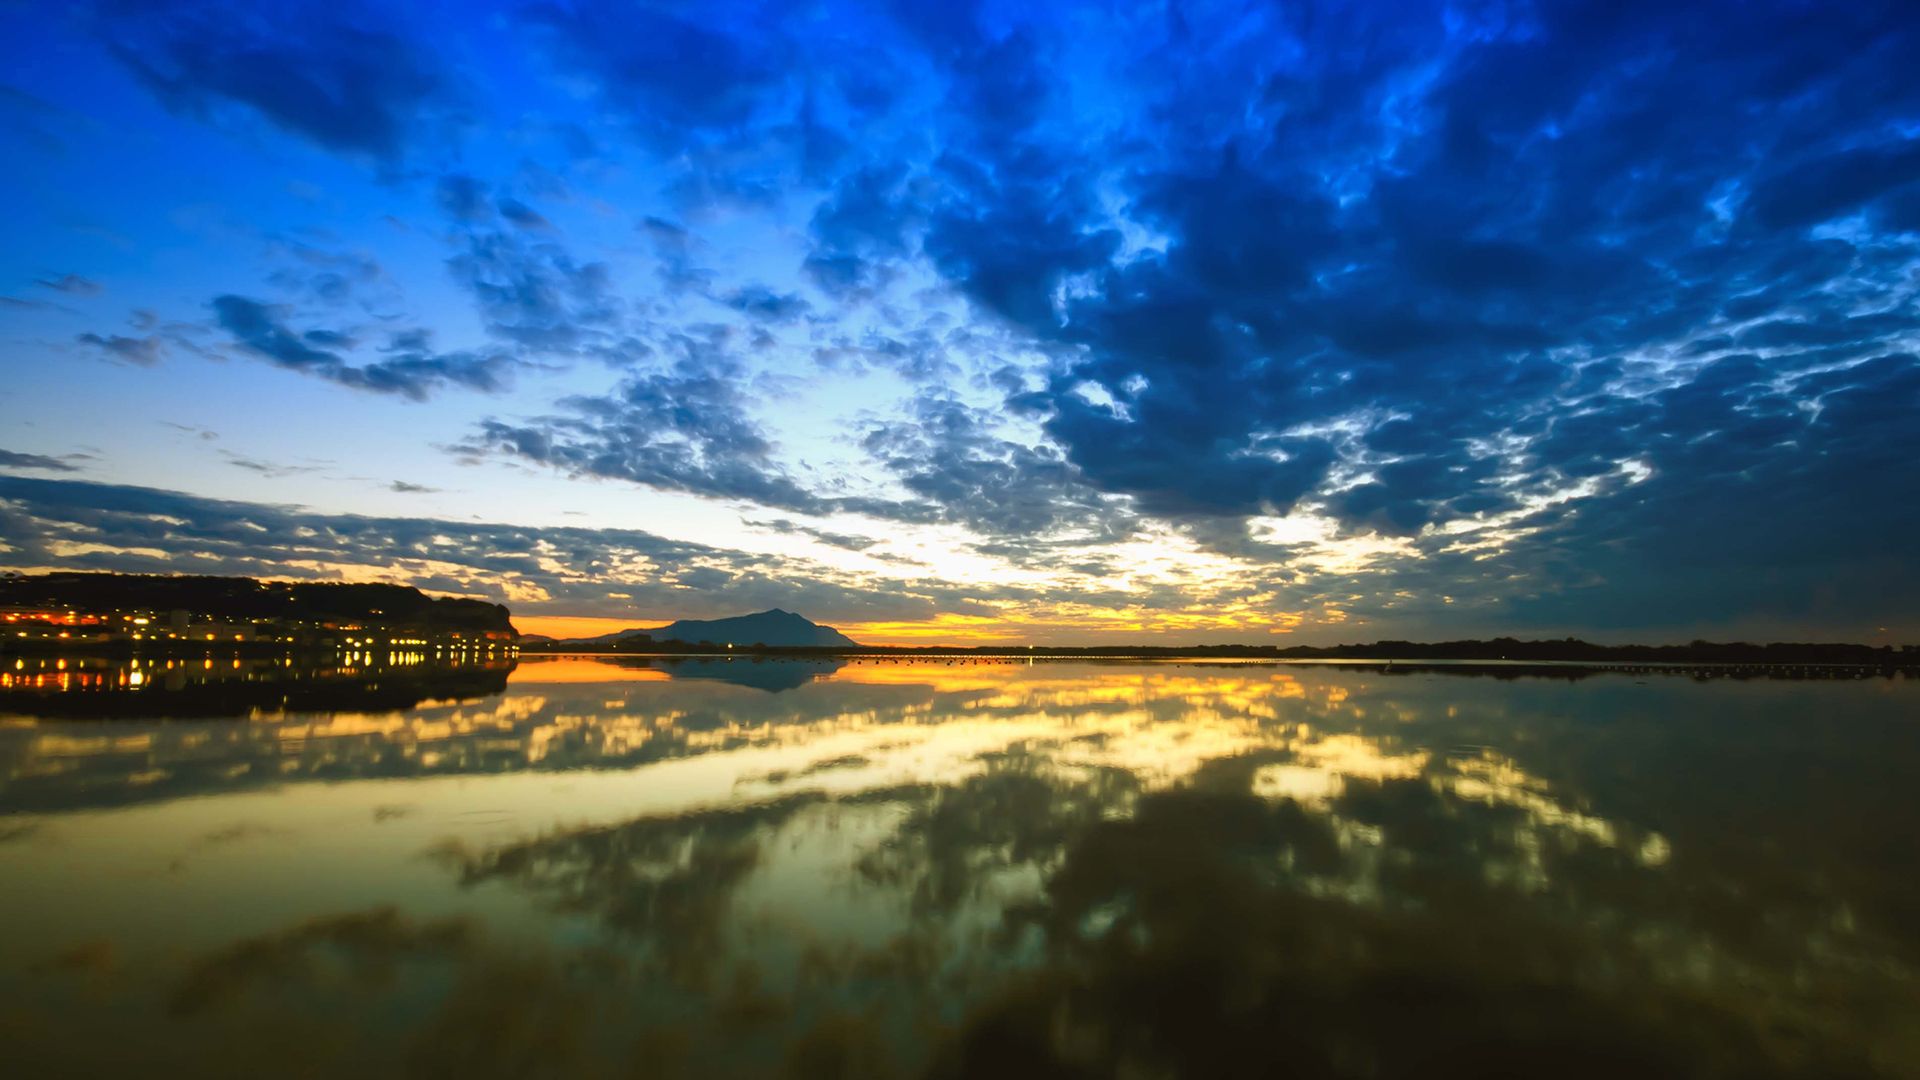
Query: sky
x: 1287, y: 323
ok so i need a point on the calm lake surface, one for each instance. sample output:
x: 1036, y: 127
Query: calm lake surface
x: 582, y: 867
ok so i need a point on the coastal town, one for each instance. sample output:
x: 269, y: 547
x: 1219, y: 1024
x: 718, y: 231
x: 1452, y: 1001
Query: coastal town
x: 171, y: 615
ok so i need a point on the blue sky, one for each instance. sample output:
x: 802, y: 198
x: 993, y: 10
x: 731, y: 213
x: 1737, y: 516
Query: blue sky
x: 944, y: 321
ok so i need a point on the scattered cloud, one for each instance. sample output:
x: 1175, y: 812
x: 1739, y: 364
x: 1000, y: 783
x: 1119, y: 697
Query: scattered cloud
x: 337, y: 75
x: 1304, y: 309
x: 13, y: 459
x: 71, y: 284
x: 408, y: 368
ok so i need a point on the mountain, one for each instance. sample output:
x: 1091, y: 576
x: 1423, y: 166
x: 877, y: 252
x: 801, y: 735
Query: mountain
x: 782, y: 629
x: 776, y: 628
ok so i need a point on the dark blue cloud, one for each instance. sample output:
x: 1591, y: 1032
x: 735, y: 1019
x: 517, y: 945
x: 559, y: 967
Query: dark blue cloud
x: 1579, y: 304
x: 463, y: 198
x: 1405, y: 266
x: 761, y: 302
x: 144, y: 351
x: 522, y: 215
x: 951, y: 456
x: 684, y: 427
x: 14, y: 459
x: 1451, y: 250
x: 72, y: 284
x: 667, y: 72
x: 407, y: 369
x: 530, y: 289
x: 334, y: 73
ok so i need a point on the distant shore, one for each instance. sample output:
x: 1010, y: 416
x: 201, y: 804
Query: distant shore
x: 1499, y: 651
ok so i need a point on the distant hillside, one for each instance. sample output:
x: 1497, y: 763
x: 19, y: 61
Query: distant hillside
x: 775, y: 629
x: 781, y: 629
x: 243, y: 599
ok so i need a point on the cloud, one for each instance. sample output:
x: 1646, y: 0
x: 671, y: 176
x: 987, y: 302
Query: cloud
x: 760, y: 302
x: 522, y: 215
x: 669, y: 74
x: 1387, y: 322
x: 409, y: 369
x: 143, y: 351
x: 684, y: 427
x: 269, y: 469
x: 326, y: 276
x: 71, y: 284
x: 331, y: 74
x: 13, y: 459
x: 1461, y: 288
x: 76, y: 525
x: 1457, y: 288
x: 462, y: 198
x: 949, y: 454
x: 535, y: 295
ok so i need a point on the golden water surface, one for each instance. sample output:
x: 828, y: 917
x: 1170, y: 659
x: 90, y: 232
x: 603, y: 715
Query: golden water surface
x: 583, y: 867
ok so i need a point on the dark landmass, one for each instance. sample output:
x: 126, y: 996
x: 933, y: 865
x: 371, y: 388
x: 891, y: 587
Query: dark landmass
x: 155, y: 613
x: 247, y: 598
x: 775, y: 628
x: 1496, y: 650
x: 771, y: 629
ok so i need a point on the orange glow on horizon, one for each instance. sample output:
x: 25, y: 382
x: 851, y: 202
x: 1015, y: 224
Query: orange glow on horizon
x: 1064, y: 625
x: 578, y: 626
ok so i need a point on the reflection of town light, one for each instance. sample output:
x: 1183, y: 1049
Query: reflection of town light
x: 137, y: 678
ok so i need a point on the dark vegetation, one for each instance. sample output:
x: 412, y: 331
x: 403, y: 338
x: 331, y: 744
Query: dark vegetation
x: 239, y: 598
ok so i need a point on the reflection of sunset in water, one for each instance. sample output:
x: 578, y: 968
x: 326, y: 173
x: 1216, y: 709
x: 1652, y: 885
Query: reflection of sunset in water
x: 565, y: 669
x: 675, y: 845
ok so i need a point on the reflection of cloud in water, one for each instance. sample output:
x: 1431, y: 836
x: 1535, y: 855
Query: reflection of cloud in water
x: 1091, y: 871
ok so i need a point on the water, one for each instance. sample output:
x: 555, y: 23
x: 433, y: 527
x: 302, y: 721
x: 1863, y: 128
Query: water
x: 713, y: 868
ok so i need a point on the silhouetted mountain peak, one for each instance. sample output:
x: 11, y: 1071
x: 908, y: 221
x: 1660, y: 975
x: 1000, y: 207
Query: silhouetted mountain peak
x: 774, y: 626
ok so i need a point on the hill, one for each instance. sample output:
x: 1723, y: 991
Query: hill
x: 102, y: 607
x: 777, y: 628
x: 774, y: 629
